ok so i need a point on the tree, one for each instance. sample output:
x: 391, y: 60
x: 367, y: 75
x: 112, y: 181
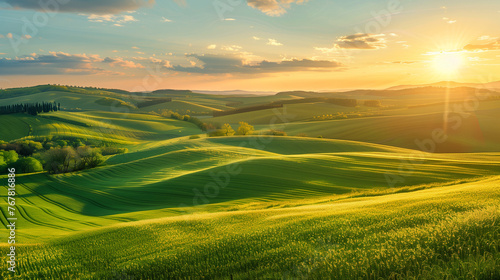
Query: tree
x: 28, y: 165
x: 90, y: 157
x: 245, y: 129
x: 9, y: 156
x: 227, y: 130
x: 61, y: 160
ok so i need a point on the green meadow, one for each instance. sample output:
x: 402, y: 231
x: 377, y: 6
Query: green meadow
x: 347, y: 196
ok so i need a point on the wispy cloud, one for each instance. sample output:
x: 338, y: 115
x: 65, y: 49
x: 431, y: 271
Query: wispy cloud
x: 120, y: 62
x: 163, y: 19
x: 55, y: 63
x: 117, y: 19
x: 487, y: 43
x: 101, y: 7
x: 450, y: 21
x: 223, y: 64
x: 362, y: 41
x: 273, y: 7
x: 274, y: 42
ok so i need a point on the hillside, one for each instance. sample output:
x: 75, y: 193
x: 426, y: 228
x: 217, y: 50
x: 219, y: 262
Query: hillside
x: 425, y: 232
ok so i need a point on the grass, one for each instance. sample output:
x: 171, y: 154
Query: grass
x: 13, y: 127
x: 160, y: 181
x: 292, y: 207
x: 438, y: 233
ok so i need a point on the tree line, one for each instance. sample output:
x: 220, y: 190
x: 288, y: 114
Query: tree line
x: 30, y: 108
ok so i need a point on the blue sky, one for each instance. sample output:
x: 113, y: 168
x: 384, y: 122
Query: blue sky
x: 253, y: 44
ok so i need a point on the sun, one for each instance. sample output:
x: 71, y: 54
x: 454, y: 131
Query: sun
x: 448, y: 63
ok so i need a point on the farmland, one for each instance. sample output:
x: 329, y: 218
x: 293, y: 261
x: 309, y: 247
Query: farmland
x: 352, y: 198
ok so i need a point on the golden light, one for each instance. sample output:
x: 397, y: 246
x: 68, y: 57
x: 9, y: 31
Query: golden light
x: 448, y: 63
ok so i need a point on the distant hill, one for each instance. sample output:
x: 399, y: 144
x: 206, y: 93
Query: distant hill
x: 427, y: 90
x: 492, y: 85
x: 236, y: 92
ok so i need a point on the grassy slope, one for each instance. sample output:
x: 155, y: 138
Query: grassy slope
x: 115, y: 127
x: 292, y: 112
x: 13, y: 127
x: 160, y: 181
x: 449, y: 231
x: 403, y: 130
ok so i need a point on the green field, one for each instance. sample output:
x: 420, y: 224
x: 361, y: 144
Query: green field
x: 363, y: 202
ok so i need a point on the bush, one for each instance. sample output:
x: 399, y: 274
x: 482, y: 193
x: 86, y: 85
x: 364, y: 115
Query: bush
x: 275, y: 132
x: 194, y: 137
x: 106, y: 151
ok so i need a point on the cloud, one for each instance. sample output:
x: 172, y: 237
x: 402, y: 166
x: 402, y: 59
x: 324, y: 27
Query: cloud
x: 111, y: 18
x: 85, y: 6
x: 448, y: 20
x: 361, y: 41
x: 492, y: 45
x: 232, y: 48
x: 211, y: 47
x: 9, y: 35
x: 273, y: 7
x: 256, y: 38
x: 163, y: 19
x: 223, y: 64
x: 120, y: 62
x: 55, y: 63
x: 229, y: 19
x: 273, y: 42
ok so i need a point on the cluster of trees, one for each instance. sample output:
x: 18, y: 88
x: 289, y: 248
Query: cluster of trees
x: 176, y: 116
x: 68, y: 159
x: 227, y: 130
x: 10, y: 159
x: 346, y: 102
x: 340, y: 116
x: 373, y: 103
x: 30, y: 108
x: 55, y: 155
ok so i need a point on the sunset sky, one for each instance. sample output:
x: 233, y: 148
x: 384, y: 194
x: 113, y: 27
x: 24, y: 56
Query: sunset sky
x: 250, y: 45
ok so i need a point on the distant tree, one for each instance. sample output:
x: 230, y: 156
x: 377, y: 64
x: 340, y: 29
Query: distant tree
x: 245, y: 129
x: 227, y: 130
x: 275, y: 132
x: 373, y: 103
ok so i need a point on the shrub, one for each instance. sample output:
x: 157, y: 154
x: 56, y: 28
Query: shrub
x: 194, y: 137
x: 275, y: 132
x: 106, y: 151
